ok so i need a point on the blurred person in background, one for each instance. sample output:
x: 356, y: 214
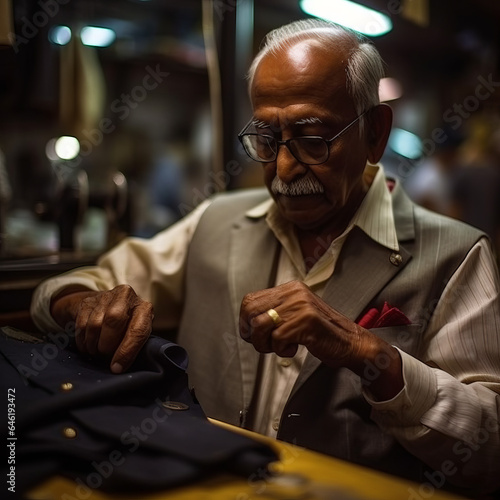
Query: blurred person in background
x: 475, y: 184
x: 430, y: 183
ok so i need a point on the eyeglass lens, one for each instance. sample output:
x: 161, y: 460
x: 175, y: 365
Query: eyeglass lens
x: 307, y: 149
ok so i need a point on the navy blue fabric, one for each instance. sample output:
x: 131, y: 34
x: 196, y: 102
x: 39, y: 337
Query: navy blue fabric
x: 128, y: 438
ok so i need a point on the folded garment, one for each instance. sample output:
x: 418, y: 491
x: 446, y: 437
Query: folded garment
x: 137, y: 431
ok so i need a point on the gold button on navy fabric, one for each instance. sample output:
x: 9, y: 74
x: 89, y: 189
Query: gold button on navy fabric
x: 67, y: 386
x: 69, y: 433
x: 175, y: 405
x: 396, y: 258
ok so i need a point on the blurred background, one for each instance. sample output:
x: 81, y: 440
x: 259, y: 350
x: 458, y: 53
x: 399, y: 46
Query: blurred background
x: 118, y: 117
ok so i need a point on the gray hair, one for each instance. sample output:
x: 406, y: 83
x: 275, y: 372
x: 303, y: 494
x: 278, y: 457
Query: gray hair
x: 364, y: 68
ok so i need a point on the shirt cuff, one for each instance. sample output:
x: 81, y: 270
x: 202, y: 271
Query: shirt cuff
x: 409, y: 405
x: 40, y: 303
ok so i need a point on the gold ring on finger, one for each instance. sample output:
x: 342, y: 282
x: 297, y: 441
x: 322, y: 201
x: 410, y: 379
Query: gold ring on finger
x: 274, y: 316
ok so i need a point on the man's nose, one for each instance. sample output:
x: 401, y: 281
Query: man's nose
x: 288, y: 168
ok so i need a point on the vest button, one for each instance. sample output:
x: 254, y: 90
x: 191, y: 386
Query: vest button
x: 66, y: 386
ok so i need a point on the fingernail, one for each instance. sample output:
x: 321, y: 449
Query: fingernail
x: 116, y: 368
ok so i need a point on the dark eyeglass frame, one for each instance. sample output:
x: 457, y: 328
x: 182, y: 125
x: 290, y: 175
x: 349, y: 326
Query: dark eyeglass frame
x: 287, y: 142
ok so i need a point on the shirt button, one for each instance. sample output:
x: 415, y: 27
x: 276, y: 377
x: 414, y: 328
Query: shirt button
x: 276, y: 423
x: 285, y: 362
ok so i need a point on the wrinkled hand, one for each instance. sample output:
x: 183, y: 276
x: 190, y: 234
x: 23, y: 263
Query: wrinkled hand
x: 305, y: 319
x: 328, y: 335
x: 113, y: 324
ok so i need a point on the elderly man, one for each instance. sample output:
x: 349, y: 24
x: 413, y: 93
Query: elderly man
x: 334, y: 314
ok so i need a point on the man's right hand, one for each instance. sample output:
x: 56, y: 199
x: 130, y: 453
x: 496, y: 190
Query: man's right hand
x: 114, y: 323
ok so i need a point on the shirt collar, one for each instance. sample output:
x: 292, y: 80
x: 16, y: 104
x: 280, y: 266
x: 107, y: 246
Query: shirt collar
x: 374, y: 216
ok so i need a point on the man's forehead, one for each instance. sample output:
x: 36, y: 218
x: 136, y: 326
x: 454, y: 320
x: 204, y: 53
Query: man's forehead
x: 301, y: 53
x: 310, y: 53
x: 302, y: 108
x: 305, y: 67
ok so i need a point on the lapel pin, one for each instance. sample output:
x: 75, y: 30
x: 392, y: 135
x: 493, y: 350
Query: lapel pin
x: 396, y: 258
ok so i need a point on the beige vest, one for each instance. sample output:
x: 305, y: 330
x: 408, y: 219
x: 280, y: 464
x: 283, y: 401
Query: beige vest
x: 232, y: 254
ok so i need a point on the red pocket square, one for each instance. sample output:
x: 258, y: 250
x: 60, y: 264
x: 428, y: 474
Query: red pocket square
x: 388, y: 316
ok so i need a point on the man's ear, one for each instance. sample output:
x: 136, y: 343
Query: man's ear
x: 378, y: 130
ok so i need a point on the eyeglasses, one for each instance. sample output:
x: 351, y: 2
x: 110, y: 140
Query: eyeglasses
x: 309, y: 149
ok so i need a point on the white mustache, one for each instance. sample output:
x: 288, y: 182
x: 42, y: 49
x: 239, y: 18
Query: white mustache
x: 300, y: 187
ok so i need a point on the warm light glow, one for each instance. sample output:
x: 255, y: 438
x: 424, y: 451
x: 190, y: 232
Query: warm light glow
x: 95, y: 36
x: 349, y: 14
x: 405, y: 143
x: 60, y: 35
x: 389, y: 89
x: 67, y: 147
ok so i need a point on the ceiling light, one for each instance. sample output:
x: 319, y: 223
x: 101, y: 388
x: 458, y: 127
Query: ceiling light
x: 67, y: 147
x: 405, y: 143
x: 60, y: 35
x: 349, y: 14
x: 95, y: 36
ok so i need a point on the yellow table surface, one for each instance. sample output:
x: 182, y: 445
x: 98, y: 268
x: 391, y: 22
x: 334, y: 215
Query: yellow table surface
x: 300, y: 474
